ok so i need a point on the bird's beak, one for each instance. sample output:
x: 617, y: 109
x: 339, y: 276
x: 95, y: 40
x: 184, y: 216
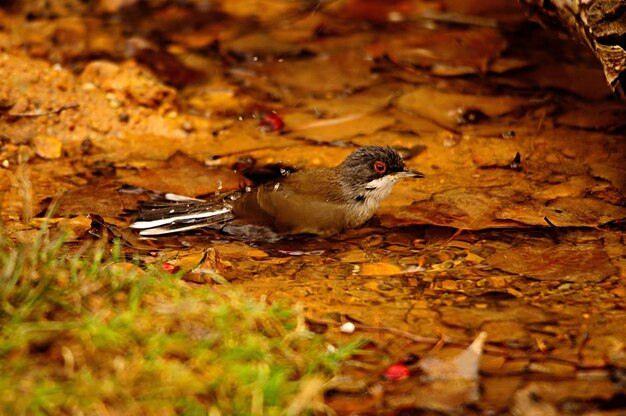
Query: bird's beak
x: 410, y: 173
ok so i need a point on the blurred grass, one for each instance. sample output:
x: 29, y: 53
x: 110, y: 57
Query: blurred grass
x: 81, y: 334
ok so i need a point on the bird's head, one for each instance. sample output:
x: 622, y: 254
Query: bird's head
x: 373, y: 171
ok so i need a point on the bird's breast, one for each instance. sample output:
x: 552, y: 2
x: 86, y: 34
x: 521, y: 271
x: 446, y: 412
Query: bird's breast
x: 360, y: 211
x: 368, y: 198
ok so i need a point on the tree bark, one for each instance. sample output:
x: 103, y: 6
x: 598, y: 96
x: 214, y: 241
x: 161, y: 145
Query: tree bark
x: 601, y: 24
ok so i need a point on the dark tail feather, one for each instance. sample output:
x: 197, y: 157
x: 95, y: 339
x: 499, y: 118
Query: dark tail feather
x: 165, y: 216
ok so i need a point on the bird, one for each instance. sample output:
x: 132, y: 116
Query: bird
x: 320, y: 201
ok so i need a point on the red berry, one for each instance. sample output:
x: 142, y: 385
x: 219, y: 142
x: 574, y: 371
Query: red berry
x: 272, y: 122
x: 169, y: 267
x: 397, y: 372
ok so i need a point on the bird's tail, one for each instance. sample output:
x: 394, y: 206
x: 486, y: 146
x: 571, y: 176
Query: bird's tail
x: 171, y: 213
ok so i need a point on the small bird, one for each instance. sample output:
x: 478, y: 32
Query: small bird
x: 321, y: 201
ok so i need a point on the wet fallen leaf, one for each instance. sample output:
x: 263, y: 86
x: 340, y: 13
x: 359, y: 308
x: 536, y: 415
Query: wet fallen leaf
x: 473, y: 258
x: 565, y: 262
x: 575, y: 186
x: 310, y: 76
x: 185, y: 176
x: 239, y: 251
x: 383, y: 269
x: 595, y: 117
x: 614, y: 174
x: 619, y: 291
x: 564, y: 212
x: 541, y: 398
x: 448, y: 109
x: 260, y: 45
x: 342, y: 128
x: 47, y: 147
x: 446, y: 52
x: 368, y: 101
x: 354, y: 256
x: 101, y: 196
x: 586, y: 81
x: 76, y: 227
x: 508, y: 332
x: 473, y: 317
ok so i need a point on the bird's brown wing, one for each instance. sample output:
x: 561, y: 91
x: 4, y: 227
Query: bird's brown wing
x: 300, y: 204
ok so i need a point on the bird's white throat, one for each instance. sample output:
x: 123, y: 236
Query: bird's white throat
x: 379, y: 189
x: 367, y: 202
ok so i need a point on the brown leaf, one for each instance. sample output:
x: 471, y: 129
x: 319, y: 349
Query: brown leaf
x: 565, y: 262
x: 447, y: 109
x: 507, y: 310
x: 564, y: 212
x: 185, y: 176
x: 381, y: 269
x: 325, y: 74
x: 341, y: 128
x: 47, y: 147
x: 585, y: 81
x: 447, y: 52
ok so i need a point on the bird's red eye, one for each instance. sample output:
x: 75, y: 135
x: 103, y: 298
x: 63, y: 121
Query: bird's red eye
x: 380, y: 167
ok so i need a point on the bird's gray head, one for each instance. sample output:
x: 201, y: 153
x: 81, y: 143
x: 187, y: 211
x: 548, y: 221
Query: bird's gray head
x: 374, y: 166
x: 367, y: 177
